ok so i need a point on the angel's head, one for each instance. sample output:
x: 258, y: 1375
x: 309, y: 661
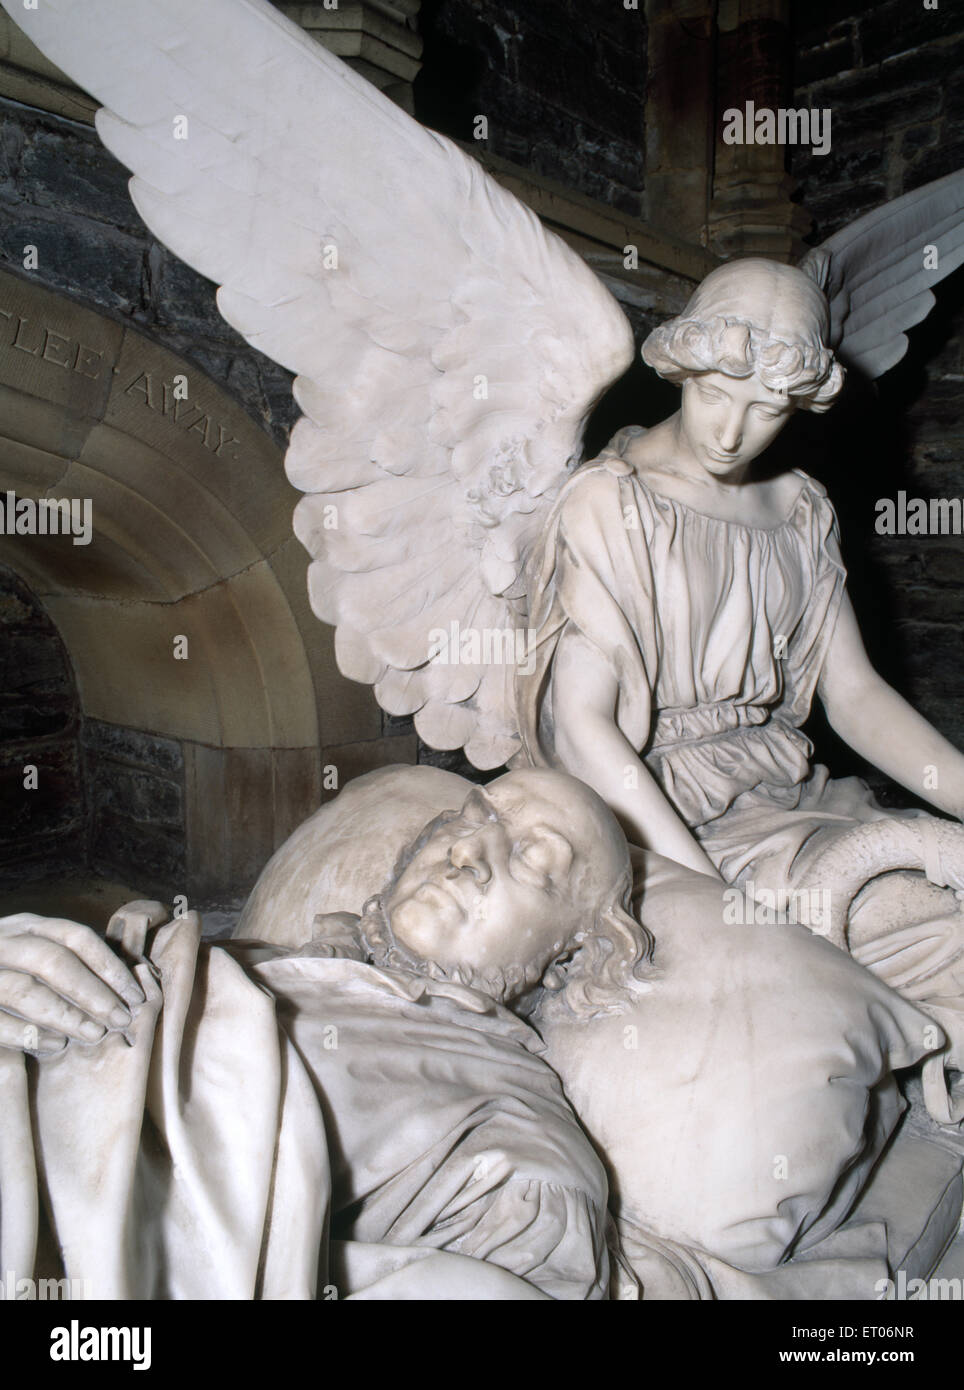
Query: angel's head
x: 528, y: 883
x: 749, y: 348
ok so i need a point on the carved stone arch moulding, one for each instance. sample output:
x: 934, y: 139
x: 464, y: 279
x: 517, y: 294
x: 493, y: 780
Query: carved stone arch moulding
x: 190, y: 539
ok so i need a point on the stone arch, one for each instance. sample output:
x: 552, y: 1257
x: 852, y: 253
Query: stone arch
x: 190, y: 539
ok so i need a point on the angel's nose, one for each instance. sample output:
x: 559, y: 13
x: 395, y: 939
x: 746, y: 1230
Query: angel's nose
x: 469, y: 853
x: 729, y: 433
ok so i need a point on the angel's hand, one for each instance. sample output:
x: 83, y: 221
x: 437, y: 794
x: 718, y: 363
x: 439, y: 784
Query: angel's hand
x: 60, y: 982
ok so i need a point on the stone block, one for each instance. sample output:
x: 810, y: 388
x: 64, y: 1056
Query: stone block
x: 53, y: 349
x: 49, y: 811
x: 896, y: 27
x: 349, y: 760
x: 133, y: 747
x: 241, y: 803
x: 65, y: 170
x: 824, y: 59
x: 24, y: 719
x: 146, y: 855
x: 74, y: 254
x: 141, y: 796
x: 32, y: 661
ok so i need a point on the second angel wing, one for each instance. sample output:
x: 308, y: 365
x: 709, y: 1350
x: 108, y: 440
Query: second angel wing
x: 878, y: 272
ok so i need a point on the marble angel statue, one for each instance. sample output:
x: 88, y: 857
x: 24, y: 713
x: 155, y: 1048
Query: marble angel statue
x: 677, y: 612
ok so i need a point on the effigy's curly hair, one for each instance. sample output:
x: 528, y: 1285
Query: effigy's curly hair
x: 808, y: 375
x: 611, y: 963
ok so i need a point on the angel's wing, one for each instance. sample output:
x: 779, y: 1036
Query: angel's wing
x: 447, y: 347
x: 878, y: 272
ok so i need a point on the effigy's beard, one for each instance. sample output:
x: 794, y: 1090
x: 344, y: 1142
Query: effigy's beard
x: 501, y: 984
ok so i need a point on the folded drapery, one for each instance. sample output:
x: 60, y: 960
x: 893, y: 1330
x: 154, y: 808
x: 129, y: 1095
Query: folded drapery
x: 190, y: 1159
x: 187, y: 1160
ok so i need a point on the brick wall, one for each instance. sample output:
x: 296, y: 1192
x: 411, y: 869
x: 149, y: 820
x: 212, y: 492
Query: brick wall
x: 61, y: 191
x: 135, y: 794
x: 893, y: 76
x: 560, y: 81
x: 44, y: 826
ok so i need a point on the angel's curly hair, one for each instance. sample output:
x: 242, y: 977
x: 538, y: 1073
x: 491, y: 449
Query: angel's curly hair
x: 807, y: 373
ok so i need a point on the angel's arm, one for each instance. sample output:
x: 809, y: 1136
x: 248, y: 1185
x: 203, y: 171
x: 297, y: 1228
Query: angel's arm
x: 590, y: 745
x: 881, y: 726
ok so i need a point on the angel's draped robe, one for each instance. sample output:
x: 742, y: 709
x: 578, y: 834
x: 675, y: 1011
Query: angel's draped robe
x: 716, y: 633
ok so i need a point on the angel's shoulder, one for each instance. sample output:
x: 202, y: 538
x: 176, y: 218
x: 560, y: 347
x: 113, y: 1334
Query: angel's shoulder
x: 598, y: 477
x: 799, y: 481
x: 806, y: 485
x: 592, y: 494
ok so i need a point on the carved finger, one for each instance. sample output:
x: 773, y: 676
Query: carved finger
x: 16, y: 923
x: 37, y: 1004
x: 27, y: 1037
x: 55, y: 965
x: 94, y: 952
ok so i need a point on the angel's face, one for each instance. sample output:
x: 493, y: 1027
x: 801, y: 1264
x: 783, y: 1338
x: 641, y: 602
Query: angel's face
x: 511, y: 878
x: 729, y: 421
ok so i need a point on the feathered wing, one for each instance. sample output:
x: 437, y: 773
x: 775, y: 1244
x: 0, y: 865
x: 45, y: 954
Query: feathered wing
x: 447, y: 347
x: 879, y: 271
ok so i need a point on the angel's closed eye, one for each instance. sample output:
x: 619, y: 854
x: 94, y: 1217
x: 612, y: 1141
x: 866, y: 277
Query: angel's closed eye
x: 710, y: 394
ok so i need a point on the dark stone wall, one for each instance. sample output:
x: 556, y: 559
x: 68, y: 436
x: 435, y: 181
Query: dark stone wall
x: 135, y: 792
x: 44, y: 828
x: 106, y: 798
x: 560, y: 81
x: 62, y: 192
x: 893, y: 77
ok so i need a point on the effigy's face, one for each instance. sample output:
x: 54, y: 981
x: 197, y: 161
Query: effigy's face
x: 729, y: 421
x: 489, y: 888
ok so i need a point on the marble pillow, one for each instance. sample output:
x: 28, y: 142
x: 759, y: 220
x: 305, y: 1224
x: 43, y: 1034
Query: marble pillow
x: 319, y: 868
x: 743, y: 1102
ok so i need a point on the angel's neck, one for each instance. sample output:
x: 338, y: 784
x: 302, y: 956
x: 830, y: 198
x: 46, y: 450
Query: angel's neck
x: 665, y: 449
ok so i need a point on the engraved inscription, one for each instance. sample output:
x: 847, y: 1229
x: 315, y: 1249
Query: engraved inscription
x: 159, y: 396
x: 29, y: 335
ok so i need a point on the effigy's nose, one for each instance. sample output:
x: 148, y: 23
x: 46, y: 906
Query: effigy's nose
x: 469, y: 853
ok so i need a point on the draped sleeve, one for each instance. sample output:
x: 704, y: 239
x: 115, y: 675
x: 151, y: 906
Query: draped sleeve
x: 820, y: 534
x: 587, y: 573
